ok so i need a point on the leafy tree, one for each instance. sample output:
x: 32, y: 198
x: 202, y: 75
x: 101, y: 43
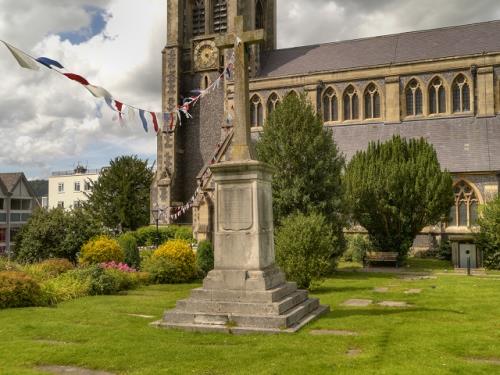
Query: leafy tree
x: 307, y: 163
x: 488, y: 239
x: 120, y: 197
x: 395, y: 189
x: 305, y: 248
x: 55, y: 234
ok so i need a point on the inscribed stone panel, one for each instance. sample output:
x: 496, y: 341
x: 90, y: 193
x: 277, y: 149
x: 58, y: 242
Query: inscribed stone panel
x: 235, y: 208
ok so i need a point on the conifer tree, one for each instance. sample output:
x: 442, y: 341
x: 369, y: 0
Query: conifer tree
x: 395, y: 189
x: 120, y: 197
x: 307, y: 163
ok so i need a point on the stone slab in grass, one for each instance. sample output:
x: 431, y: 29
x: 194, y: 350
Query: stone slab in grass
x: 142, y: 316
x: 414, y: 278
x: 413, y: 291
x: 487, y: 361
x: 61, y: 370
x: 332, y: 332
x: 393, y: 304
x: 353, y: 352
x: 381, y: 290
x: 358, y: 302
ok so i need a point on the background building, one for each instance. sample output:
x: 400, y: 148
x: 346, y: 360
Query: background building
x: 67, y: 189
x: 442, y: 85
x: 17, y: 201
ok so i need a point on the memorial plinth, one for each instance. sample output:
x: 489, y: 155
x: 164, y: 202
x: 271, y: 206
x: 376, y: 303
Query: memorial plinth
x: 246, y: 291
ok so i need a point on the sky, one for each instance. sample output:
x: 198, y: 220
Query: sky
x: 49, y: 123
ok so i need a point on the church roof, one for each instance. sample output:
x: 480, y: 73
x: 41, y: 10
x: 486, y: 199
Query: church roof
x: 407, y: 47
x: 466, y: 144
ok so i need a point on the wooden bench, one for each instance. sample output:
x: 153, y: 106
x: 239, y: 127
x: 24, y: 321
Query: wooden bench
x: 381, y: 256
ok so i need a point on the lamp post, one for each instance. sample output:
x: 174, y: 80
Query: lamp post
x: 156, y: 216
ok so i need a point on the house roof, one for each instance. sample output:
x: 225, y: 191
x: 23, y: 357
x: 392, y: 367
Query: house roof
x: 407, y: 47
x: 10, y: 180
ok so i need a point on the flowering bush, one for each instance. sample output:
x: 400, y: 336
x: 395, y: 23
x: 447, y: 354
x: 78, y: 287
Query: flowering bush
x: 172, y: 262
x: 101, y: 249
x: 124, y: 267
x: 18, y: 290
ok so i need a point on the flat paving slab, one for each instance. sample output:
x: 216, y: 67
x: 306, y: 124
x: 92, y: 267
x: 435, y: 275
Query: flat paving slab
x: 142, y: 316
x: 60, y: 370
x: 412, y: 278
x: 488, y: 361
x: 358, y: 302
x: 353, y: 352
x: 393, y: 304
x: 413, y: 291
x: 381, y: 290
x: 332, y: 332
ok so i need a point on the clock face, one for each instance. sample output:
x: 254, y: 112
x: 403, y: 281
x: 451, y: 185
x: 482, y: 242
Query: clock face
x: 205, y: 55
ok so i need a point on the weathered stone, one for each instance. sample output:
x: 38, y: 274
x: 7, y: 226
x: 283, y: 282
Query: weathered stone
x: 357, y: 302
x: 142, y: 316
x: 61, y: 370
x: 413, y: 291
x: 381, y: 290
x: 393, y: 304
x: 353, y: 352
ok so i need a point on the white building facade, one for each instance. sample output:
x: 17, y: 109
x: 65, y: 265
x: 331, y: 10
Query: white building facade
x: 68, y: 189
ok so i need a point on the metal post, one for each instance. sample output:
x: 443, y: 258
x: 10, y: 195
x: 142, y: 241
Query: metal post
x: 157, y: 233
x: 468, y: 262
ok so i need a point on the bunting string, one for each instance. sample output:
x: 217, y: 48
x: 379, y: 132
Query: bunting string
x: 126, y: 111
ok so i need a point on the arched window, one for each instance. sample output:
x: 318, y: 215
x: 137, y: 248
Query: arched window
x: 198, y: 17
x: 351, y: 104
x: 437, y: 96
x: 413, y: 98
x: 464, y: 212
x: 259, y: 15
x: 372, y: 102
x: 330, y: 106
x: 461, y: 94
x: 220, y: 16
x: 292, y: 92
x: 256, y: 111
x: 272, y: 103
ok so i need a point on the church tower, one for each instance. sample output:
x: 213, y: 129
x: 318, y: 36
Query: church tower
x: 191, y: 61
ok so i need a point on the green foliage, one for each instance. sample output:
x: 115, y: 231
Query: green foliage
x: 65, y: 287
x: 120, y: 197
x: 40, y: 187
x: 146, y: 236
x: 173, y: 262
x: 47, y: 269
x: 488, y: 239
x: 307, y: 163
x: 18, y: 290
x: 305, y: 248
x: 54, y: 234
x: 205, y: 256
x: 128, y: 244
x: 395, y: 189
x: 100, y: 250
x: 444, y: 250
x: 357, y: 247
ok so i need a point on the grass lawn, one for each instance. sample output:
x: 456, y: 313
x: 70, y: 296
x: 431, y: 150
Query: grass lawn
x: 453, y: 327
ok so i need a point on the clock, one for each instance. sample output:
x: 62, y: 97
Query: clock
x: 205, y: 55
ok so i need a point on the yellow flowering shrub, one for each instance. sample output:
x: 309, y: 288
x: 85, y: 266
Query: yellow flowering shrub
x: 101, y: 249
x: 180, y: 257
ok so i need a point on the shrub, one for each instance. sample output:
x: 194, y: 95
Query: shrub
x: 54, y: 234
x: 128, y: 243
x: 65, y: 287
x: 183, y: 233
x: 488, y: 239
x: 357, y: 247
x: 55, y: 267
x: 100, y: 250
x: 305, y: 248
x: 18, y: 290
x: 146, y: 236
x: 7, y: 265
x: 444, y: 250
x: 205, y: 256
x: 100, y: 281
x: 173, y: 262
x: 124, y: 267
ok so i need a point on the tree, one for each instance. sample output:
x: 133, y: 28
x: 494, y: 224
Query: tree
x: 488, y: 239
x: 55, y: 234
x: 120, y: 197
x: 395, y: 189
x: 307, y: 163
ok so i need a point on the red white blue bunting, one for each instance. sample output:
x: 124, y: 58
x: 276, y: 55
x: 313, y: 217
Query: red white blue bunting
x: 126, y: 112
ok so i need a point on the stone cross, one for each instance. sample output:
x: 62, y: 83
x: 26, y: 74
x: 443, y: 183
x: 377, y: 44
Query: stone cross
x: 241, y: 145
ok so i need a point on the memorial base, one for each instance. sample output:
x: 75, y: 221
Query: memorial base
x: 239, y: 301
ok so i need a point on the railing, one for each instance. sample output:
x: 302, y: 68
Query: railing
x: 72, y: 172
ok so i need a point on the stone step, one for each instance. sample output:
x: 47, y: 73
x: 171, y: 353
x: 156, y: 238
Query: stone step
x: 193, y: 305
x: 203, y: 327
x: 292, y: 317
x: 264, y: 296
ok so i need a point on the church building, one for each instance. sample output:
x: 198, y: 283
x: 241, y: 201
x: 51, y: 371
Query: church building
x: 441, y: 84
